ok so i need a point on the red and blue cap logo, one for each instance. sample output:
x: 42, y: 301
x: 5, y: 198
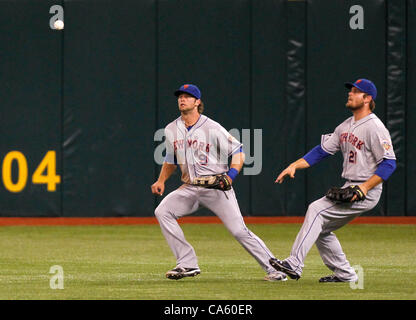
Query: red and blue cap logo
x: 365, y: 86
x: 189, y: 89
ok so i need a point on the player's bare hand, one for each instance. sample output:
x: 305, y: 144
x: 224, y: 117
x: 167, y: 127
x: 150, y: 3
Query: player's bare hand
x: 289, y: 171
x: 158, y: 188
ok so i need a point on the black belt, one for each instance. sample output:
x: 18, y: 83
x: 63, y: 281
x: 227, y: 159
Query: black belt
x: 356, y: 181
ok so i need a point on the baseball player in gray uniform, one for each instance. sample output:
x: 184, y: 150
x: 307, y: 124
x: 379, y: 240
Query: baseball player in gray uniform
x: 201, y: 148
x: 369, y: 160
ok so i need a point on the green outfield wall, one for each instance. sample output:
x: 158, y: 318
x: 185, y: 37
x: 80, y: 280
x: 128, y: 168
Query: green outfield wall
x: 81, y: 109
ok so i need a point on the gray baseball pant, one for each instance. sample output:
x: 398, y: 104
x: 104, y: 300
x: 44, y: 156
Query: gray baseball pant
x: 322, y: 218
x: 186, y: 200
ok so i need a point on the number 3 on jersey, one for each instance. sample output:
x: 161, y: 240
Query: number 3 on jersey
x: 353, y: 157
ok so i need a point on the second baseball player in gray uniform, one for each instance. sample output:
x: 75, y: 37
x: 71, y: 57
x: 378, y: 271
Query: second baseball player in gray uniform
x: 201, y: 148
x: 369, y: 160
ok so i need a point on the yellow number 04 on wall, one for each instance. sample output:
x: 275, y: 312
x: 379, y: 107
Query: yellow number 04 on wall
x: 48, y: 164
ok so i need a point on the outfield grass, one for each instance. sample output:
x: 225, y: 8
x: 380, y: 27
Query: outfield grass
x: 129, y: 262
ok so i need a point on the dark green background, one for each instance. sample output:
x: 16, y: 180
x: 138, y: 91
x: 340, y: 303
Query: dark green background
x: 97, y: 92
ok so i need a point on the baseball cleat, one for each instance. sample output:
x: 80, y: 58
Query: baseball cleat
x: 283, y: 266
x: 331, y: 278
x: 275, y: 276
x: 179, y: 273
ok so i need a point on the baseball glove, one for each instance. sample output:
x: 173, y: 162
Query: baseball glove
x: 219, y: 181
x: 345, y: 194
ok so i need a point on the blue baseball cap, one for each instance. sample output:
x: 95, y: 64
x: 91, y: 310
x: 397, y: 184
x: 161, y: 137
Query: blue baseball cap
x: 190, y: 89
x: 365, y: 86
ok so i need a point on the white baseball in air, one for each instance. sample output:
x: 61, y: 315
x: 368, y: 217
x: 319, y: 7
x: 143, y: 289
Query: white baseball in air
x: 59, y: 24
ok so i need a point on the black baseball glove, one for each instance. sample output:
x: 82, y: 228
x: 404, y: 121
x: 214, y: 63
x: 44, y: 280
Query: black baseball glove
x: 345, y: 194
x: 219, y: 181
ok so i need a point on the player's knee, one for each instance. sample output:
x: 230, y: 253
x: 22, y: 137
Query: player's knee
x: 160, y: 212
x: 312, y: 211
x: 313, y: 207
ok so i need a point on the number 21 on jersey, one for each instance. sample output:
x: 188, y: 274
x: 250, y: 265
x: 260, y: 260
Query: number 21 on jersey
x: 352, y: 157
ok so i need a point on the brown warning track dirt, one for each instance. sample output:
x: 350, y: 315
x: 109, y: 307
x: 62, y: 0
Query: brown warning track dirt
x: 17, y: 221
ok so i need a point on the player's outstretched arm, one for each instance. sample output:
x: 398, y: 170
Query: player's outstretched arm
x: 291, y: 169
x: 159, y: 186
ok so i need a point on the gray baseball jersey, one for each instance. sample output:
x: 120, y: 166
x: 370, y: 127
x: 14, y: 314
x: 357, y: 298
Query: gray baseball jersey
x: 203, y: 150
x: 364, y: 144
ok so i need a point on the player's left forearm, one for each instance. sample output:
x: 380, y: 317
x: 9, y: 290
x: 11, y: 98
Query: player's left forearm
x: 237, y: 161
x: 371, y: 183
